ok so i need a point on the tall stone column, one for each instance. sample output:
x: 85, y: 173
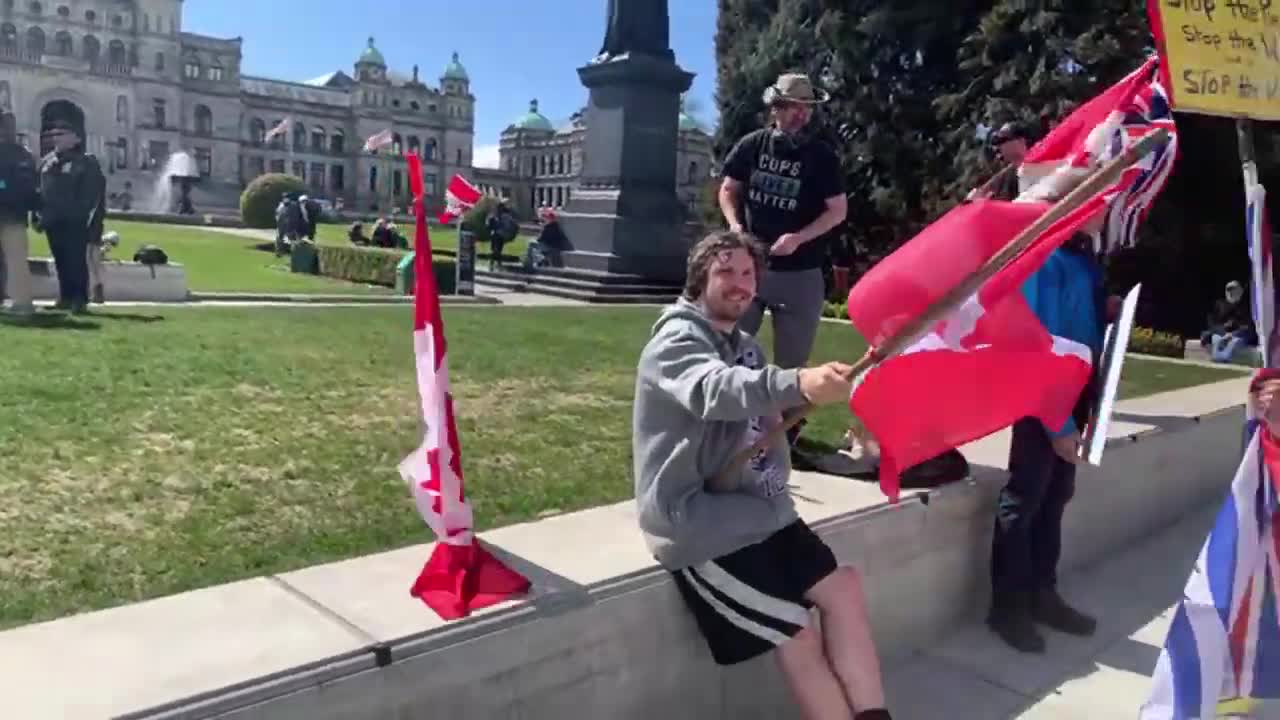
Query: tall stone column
x: 625, y: 216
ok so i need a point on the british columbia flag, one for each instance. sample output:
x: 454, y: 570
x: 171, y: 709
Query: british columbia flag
x: 1222, y: 652
x: 1096, y: 133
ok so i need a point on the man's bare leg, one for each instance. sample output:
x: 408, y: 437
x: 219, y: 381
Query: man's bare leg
x: 846, y: 634
x: 815, y: 687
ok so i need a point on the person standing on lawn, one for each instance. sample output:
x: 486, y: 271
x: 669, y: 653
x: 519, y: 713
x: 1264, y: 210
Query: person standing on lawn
x: 747, y: 566
x: 18, y: 199
x: 786, y: 188
x: 73, y: 197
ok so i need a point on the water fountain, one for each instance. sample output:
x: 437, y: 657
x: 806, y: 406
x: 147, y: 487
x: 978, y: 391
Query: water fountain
x: 179, y: 169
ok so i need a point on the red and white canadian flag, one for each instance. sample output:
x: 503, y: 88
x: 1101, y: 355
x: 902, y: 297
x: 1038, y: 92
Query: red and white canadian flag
x: 461, y: 575
x: 983, y: 367
x: 459, y: 197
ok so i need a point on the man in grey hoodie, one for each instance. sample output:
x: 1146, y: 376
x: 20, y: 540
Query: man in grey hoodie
x: 749, y: 568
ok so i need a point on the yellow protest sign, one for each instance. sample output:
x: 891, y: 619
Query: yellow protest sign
x: 1223, y: 55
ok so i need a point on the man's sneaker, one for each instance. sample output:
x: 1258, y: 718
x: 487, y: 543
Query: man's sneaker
x: 1015, y: 628
x: 1052, y: 611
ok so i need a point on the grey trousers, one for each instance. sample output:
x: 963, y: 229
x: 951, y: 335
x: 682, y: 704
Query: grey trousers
x: 794, y: 299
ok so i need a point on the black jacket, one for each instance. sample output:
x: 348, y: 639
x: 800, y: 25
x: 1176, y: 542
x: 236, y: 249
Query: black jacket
x: 73, y: 192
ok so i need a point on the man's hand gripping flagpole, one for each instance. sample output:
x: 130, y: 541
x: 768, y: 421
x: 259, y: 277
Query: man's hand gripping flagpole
x: 1099, y: 180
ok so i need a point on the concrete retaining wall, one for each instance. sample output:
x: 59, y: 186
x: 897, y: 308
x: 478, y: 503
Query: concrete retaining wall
x: 627, y: 648
x: 123, y: 281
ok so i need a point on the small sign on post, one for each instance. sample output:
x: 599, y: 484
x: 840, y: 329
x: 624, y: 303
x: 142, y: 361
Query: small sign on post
x: 466, y: 263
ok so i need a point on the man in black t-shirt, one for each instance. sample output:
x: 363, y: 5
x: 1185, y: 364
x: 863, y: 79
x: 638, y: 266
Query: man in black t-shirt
x: 787, y: 190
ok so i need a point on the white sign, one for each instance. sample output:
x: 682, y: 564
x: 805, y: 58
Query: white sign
x: 1113, y: 352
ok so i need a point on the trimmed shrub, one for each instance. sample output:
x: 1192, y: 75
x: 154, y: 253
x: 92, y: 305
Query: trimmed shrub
x: 259, y: 200
x: 474, y: 220
x: 1153, y: 342
x: 377, y: 266
x: 835, y: 310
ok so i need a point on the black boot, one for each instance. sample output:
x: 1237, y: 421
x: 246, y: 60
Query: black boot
x: 1011, y: 620
x: 1052, y: 611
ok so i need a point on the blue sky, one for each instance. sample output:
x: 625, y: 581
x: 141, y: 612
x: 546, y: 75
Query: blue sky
x: 514, y: 50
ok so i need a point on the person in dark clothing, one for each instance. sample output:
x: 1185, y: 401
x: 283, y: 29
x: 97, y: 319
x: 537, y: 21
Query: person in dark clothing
x: 19, y: 197
x: 1010, y: 143
x: 1230, y: 324
x: 73, y: 198
x: 786, y: 188
x: 1067, y: 295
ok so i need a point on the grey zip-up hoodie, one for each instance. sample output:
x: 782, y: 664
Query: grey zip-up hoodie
x: 702, y: 395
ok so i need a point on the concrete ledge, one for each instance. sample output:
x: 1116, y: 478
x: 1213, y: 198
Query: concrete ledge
x: 604, y: 633
x: 123, y: 281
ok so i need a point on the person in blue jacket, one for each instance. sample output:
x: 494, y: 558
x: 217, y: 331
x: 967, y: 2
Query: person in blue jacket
x: 1068, y: 296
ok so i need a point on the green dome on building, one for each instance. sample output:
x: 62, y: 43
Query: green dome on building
x: 455, y: 71
x: 687, y: 122
x: 371, y: 56
x: 532, y: 120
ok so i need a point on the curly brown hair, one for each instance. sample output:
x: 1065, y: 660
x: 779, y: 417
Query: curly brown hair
x: 706, y: 250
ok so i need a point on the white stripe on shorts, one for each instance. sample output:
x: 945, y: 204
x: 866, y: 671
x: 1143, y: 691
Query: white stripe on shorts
x: 751, y: 598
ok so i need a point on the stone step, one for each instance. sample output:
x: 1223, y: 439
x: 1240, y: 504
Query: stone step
x: 572, y: 281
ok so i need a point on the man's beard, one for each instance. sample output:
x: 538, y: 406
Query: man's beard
x: 727, y: 310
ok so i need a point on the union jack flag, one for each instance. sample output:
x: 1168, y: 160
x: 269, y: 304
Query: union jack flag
x: 1098, y: 132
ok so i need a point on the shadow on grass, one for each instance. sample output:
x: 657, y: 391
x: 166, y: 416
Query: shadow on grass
x: 128, y: 317
x: 48, y: 321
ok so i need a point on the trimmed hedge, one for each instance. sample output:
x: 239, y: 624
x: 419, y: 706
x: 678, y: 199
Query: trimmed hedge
x: 259, y: 200
x: 377, y: 266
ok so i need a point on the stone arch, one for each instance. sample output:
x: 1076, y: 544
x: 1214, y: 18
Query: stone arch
x: 35, y: 41
x: 90, y: 48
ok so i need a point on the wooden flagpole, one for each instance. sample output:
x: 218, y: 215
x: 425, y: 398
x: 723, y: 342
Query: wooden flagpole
x: 948, y: 303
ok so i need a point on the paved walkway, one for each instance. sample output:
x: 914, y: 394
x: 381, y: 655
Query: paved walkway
x: 972, y: 676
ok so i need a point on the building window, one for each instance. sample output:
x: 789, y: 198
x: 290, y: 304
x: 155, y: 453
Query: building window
x: 257, y: 131
x: 35, y: 41
x: 300, y: 170
x: 35, y: 8
x: 117, y: 21
x: 459, y: 156
x: 90, y: 16
x: 204, y: 120
x: 337, y: 142
x: 191, y: 69
x: 115, y: 53
x: 430, y: 149
x: 373, y: 179
x: 429, y: 184
x: 9, y: 37
x: 64, y: 11
x: 122, y: 154
x: 317, y: 139
x: 413, y: 104
x: 336, y: 173
x: 257, y: 166
x: 397, y: 183
x: 122, y: 110
x: 204, y: 161
x: 299, y: 140
x: 215, y: 73
x: 277, y: 166
x: 397, y: 144
x: 157, y: 111
x: 91, y: 48
x: 157, y: 154
x: 317, y: 177
x: 159, y: 62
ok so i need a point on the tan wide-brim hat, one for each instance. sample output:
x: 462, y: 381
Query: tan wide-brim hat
x: 795, y: 88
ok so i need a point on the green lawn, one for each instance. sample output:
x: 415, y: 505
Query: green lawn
x: 217, y: 261
x: 222, y: 262
x: 150, y: 451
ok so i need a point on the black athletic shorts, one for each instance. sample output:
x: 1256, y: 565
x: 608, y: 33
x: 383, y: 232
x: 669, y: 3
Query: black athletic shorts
x: 752, y: 600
